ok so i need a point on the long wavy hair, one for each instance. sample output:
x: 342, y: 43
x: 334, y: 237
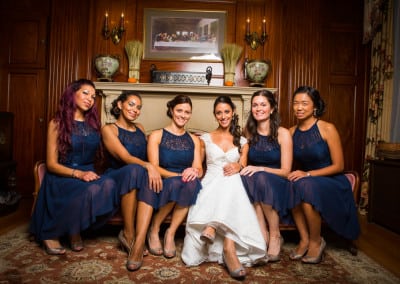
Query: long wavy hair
x: 319, y: 104
x: 234, y: 128
x: 64, y: 116
x: 250, y: 130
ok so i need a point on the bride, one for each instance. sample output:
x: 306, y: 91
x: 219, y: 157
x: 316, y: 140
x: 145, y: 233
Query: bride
x: 222, y: 226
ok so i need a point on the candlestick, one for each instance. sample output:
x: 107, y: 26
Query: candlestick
x: 106, y: 22
x: 115, y: 32
x: 122, y: 22
x: 252, y: 38
x: 264, y: 26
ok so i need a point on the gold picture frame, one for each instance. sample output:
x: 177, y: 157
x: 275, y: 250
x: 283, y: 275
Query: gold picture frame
x: 183, y: 35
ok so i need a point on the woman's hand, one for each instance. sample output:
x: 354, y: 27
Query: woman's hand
x: 86, y: 175
x: 296, y: 175
x: 231, y: 169
x: 155, y: 180
x: 190, y: 174
x: 250, y: 170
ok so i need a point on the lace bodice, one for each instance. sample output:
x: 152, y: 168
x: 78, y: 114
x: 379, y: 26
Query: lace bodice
x: 265, y: 153
x: 176, y: 152
x: 135, y: 143
x: 310, y: 150
x: 85, y: 143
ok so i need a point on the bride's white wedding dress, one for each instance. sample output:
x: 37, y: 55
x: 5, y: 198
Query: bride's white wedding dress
x: 224, y: 204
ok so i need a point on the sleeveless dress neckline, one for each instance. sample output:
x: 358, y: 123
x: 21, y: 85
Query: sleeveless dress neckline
x: 313, y: 125
x: 119, y: 127
x: 170, y: 132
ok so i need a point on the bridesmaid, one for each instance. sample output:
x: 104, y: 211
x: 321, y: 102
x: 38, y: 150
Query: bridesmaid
x: 138, y: 180
x: 73, y: 196
x: 176, y: 154
x: 320, y: 189
x: 270, y: 161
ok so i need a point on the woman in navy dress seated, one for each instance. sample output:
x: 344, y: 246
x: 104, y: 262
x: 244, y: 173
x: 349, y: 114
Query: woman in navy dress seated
x: 72, y: 197
x: 269, y: 162
x: 176, y: 154
x: 320, y: 190
x: 138, y: 180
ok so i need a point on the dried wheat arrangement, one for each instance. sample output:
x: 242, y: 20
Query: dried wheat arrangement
x: 134, y: 50
x: 230, y: 55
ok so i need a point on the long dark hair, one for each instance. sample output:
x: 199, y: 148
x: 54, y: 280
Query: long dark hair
x: 234, y: 128
x: 250, y: 130
x: 319, y: 104
x: 64, y: 116
x: 115, y: 111
x: 179, y: 99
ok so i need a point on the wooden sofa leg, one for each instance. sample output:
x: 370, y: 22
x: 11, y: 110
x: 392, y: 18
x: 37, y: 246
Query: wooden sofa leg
x: 352, y: 247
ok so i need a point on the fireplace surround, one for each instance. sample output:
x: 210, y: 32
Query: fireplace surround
x: 155, y: 97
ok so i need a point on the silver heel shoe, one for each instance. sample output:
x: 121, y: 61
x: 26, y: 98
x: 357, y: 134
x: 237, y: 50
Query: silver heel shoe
x: 297, y: 256
x: 238, y: 274
x: 318, y: 258
x: 124, y: 243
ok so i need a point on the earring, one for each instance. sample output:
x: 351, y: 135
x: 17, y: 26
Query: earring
x: 315, y: 112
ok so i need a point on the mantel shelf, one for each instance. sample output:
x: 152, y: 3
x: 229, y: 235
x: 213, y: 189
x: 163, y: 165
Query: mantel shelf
x: 178, y: 88
x: 156, y: 95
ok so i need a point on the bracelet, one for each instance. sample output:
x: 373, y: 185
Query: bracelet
x: 308, y: 174
x: 73, y: 173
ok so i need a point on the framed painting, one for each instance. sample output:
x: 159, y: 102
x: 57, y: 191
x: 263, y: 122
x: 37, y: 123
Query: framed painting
x: 191, y: 35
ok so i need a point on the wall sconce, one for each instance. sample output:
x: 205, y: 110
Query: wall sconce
x: 253, y: 39
x: 116, y: 32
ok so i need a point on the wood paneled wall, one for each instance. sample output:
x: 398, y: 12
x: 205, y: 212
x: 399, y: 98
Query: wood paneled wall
x: 311, y: 42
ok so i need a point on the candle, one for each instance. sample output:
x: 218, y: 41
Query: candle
x: 122, y: 22
x: 106, y: 21
x: 264, y: 26
x: 247, y: 26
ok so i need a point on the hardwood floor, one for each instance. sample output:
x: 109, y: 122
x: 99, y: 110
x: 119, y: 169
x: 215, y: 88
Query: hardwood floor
x: 18, y: 217
x: 375, y: 241
x: 380, y: 244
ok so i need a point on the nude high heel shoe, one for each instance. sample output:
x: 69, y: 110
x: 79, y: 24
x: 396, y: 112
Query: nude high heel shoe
x: 208, y: 235
x: 168, y: 253
x: 277, y: 257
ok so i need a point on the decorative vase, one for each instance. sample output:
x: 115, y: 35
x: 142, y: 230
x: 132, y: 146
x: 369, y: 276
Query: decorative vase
x: 257, y: 70
x: 106, y: 66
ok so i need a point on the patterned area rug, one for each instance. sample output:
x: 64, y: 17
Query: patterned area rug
x: 23, y: 261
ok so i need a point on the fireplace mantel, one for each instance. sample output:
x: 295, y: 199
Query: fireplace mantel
x: 155, y: 97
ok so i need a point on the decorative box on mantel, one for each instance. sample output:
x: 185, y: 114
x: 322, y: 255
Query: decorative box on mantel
x: 155, y: 97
